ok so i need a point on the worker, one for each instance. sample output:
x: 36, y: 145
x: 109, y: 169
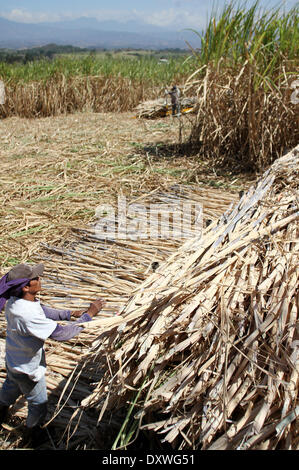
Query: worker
x: 2, y: 92
x: 175, y: 100
x: 29, y: 324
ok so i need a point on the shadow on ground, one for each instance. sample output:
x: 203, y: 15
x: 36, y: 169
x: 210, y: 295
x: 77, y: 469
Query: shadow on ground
x: 169, y: 150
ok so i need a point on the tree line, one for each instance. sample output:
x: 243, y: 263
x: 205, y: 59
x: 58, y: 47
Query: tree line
x: 36, y: 53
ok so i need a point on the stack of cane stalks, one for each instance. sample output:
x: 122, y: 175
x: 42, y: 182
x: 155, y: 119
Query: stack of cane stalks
x: 153, y: 109
x: 206, y: 349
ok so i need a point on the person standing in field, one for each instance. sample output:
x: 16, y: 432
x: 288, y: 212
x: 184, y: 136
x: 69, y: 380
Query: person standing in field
x: 29, y: 324
x: 2, y: 92
x: 175, y: 100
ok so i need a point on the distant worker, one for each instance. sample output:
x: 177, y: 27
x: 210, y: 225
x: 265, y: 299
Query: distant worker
x: 175, y: 100
x: 2, y: 92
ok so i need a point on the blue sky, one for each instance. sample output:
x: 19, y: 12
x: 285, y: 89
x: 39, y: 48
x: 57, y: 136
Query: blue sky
x: 168, y: 13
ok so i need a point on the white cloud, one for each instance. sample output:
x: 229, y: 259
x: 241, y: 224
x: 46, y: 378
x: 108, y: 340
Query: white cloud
x: 170, y: 18
x: 115, y: 15
x: 177, y: 18
x: 24, y: 16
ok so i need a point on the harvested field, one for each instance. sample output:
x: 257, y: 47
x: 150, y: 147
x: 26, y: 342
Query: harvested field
x: 56, y: 171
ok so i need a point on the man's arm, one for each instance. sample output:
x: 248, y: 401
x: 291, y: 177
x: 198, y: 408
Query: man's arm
x: 64, y: 333
x: 60, y: 315
x: 56, y: 314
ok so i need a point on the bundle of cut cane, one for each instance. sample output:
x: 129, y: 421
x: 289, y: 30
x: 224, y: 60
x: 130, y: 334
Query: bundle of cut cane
x: 161, y: 107
x: 207, y: 348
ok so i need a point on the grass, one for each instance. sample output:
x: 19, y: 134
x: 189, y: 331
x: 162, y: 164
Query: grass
x: 90, y: 82
x: 240, y: 32
x: 245, y: 70
x: 144, y: 68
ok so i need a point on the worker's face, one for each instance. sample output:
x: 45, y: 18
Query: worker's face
x: 34, y: 286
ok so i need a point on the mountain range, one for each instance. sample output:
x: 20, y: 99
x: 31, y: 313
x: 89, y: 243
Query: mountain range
x: 90, y: 33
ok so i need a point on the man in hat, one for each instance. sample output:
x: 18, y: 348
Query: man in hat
x: 29, y: 324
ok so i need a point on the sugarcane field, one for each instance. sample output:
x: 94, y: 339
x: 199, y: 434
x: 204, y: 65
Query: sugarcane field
x: 170, y: 190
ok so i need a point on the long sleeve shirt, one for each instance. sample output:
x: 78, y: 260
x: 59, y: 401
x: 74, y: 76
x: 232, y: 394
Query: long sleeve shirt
x: 28, y: 326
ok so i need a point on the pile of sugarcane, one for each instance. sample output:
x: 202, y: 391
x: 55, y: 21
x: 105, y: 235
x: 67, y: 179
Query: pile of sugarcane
x: 161, y: 107
x: 205, y: 353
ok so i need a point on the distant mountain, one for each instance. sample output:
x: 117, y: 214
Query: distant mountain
x: 130, y: 26
x: 91, y: 33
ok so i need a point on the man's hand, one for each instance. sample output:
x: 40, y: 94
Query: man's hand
x: 92, y: 310
x: 77, y: 313
x: 95, y: 307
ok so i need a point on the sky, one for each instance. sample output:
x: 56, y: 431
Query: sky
x: 165, y: 13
